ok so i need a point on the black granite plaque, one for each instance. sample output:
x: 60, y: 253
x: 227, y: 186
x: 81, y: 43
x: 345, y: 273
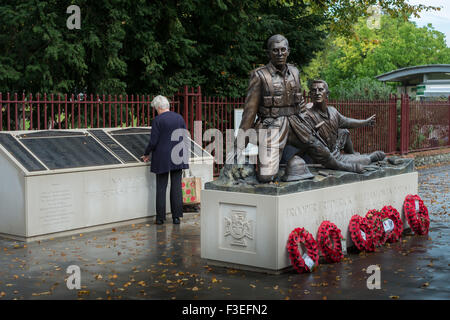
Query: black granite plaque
x: 113, y: 146
x: 21, y: 154
x: 70, y: 152
x: 137, y: 143
x: 134, y: 143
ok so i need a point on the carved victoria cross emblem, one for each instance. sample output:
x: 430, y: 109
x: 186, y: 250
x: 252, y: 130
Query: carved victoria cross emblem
x: 239, y: 227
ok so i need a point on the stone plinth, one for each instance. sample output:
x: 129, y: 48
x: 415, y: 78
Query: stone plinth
x: 250, y: 230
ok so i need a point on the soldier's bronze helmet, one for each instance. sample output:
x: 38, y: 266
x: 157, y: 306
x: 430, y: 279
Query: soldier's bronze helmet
x: 296, y: 169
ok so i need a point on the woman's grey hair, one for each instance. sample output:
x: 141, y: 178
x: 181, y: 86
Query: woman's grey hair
x: 160, y: 102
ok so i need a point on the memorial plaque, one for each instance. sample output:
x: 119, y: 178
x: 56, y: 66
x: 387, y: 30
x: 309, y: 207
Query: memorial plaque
x: 113, y: 146
x: 135, y: 140
x: 60, y: 149
x: 69, y: 152
x: 21, y: 154
x: 135, y: 143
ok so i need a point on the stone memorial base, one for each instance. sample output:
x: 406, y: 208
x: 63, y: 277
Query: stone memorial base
x: 250, y: 230
x: 41, y: 206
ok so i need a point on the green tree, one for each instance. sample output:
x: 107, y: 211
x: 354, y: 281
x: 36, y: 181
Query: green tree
x: 157, y: 46
x: 342, y: 14
x: 146, y: 47
x: 214, y: 45
x: 370, y: 52
x: 41, y: 55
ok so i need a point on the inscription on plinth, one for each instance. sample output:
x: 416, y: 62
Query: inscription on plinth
x: 56, y: 206
x: 338, y: 204
x: 116, y: 186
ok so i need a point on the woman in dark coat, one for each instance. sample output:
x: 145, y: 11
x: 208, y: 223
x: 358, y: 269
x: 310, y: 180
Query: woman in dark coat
x: 170, y: 154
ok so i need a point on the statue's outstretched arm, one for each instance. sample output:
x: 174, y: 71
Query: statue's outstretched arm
x: 350, y: 123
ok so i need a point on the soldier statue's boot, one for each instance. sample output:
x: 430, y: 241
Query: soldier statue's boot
x: 296, y: 169
x: 377, y: 156
x: 343, y: 166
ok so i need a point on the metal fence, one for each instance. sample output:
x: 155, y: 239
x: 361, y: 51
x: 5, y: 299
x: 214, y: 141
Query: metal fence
x: 382, y: 136
x: 41, y: 112
x: 428, y: 125
x: 401, y: 126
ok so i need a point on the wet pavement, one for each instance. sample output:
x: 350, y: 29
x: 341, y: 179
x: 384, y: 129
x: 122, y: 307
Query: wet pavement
x: 146, y: 261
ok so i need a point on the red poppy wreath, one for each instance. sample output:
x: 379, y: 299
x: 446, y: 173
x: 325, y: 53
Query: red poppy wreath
x: 310, y: 259
x: 392, y: 229
x: 329, y: 239
x: 361, y: 233
x: 376, y: 223
x: 416, y: 214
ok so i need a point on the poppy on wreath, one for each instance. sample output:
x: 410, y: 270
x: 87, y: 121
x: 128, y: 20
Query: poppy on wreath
x: 329, y: 240
x: 361, y: 233
x: 389, y: 212
x: 416, y: 214
x: 376, y: 223
x: 310, y: 260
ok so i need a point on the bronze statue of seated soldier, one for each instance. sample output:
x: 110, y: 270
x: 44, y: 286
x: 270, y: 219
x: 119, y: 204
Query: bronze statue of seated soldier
x: 333, y: 127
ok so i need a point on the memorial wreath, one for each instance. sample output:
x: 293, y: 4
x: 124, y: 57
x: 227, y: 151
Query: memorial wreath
x: 376, y: 223
x: 416, y: 214
x: 361, y: 233
x: 329, y: 239
x: 310, y: 259
x: 389, y: 212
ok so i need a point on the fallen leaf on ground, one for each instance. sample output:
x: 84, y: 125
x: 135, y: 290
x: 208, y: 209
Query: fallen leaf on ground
x: 42, y: 293
x: 83, y: 293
